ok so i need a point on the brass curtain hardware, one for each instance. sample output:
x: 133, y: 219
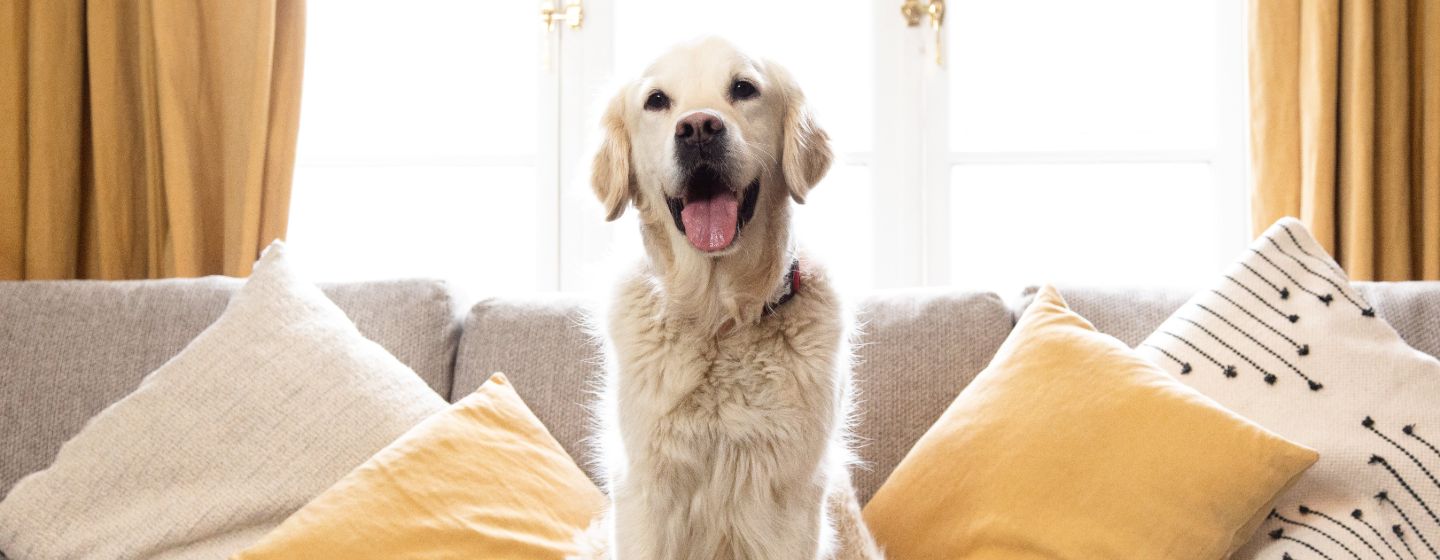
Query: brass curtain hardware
x: 936, y: 9
x: 913, y: 11
x: 573, y: 15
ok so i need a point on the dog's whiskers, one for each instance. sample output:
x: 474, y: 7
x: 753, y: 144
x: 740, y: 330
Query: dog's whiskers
x: 764, y: 152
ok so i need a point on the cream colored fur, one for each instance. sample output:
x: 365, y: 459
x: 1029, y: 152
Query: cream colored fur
x: 725, y: 427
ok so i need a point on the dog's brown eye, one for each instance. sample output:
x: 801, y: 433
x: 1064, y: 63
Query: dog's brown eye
x: 657, y: 101
x: 742, y: 89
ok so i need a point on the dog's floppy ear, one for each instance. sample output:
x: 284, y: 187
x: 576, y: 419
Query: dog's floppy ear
x: 610, y: 174
x: 806, y: 154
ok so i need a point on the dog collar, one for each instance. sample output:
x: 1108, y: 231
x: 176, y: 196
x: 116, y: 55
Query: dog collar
x: 789, y: 286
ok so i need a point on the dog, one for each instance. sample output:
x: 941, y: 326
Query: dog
x: 728, y: 361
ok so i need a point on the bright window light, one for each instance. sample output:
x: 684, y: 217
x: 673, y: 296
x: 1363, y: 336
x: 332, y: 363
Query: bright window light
x: 1072, y: 142
x: 418, y: 142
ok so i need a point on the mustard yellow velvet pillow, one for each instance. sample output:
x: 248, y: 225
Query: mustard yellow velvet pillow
x: 481, y: 479
x: 1070, y: 445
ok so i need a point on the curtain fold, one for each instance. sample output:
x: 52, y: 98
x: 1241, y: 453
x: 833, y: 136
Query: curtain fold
x: 147, y: 138
x: 1345, y: 129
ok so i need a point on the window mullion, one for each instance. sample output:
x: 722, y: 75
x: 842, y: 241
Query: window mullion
x: 896, y: 167
x: 587, y: 61
x: 935, y: 92
x: 547, y: 164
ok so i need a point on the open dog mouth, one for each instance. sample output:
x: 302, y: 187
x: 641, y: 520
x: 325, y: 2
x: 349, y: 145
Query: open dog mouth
x: 710, y: 214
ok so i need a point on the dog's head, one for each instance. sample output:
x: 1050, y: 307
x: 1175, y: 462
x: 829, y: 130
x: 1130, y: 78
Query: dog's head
x: 703, y: 141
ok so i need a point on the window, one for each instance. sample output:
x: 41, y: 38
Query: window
x: 449, y: 138
x: 419, y: 143
x: 1094, y: 142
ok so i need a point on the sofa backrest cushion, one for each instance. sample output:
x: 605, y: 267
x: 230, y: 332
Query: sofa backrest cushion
x: 916, y: 350
x: 1127, y: 313
x: 1413, y: 308
x: 68, y: 349
x: 1132, y: 314
x: 543, y: 348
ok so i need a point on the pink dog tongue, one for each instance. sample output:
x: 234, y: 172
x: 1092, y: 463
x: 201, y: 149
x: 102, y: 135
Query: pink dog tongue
x: 710, y: 224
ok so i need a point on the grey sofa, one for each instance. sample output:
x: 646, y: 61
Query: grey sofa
x: 68, y: 349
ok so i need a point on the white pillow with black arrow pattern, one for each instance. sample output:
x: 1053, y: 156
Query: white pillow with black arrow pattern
x: 1284, y: 339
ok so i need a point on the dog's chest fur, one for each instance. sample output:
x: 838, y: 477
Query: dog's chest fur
x: 727, y: 438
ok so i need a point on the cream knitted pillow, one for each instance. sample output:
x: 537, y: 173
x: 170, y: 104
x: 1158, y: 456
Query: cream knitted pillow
x: 266, y: 408
x: 1283, y: 339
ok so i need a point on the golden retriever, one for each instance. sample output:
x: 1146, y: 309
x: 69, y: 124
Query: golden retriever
x: 729, y: 365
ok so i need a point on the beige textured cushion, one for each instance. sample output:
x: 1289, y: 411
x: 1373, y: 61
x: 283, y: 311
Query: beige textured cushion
x: 542, y: 346
x: 70, y: 348
x: 917, y: 349
x: 1411, y: 308
x: 1129, y: 313
x: 265, y: 409
x: 1132, y: 313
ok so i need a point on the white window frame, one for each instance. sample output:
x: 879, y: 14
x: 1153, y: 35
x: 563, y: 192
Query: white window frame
x: 584, y: 70
x: 1227, y: 158
x: 910, y: 163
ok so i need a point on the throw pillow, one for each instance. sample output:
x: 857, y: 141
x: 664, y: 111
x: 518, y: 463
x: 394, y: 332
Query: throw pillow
x: 1284, y: 339
x: 1070, y: 445
x: 481, y: 479
x: 266, y: 408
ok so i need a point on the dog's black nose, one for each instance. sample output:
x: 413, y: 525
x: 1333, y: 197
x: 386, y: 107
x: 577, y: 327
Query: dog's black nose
x: 699, y: 127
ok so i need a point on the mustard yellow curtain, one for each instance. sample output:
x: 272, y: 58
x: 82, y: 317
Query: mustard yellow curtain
x: 145, y: 138
x: 1345, y: 128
